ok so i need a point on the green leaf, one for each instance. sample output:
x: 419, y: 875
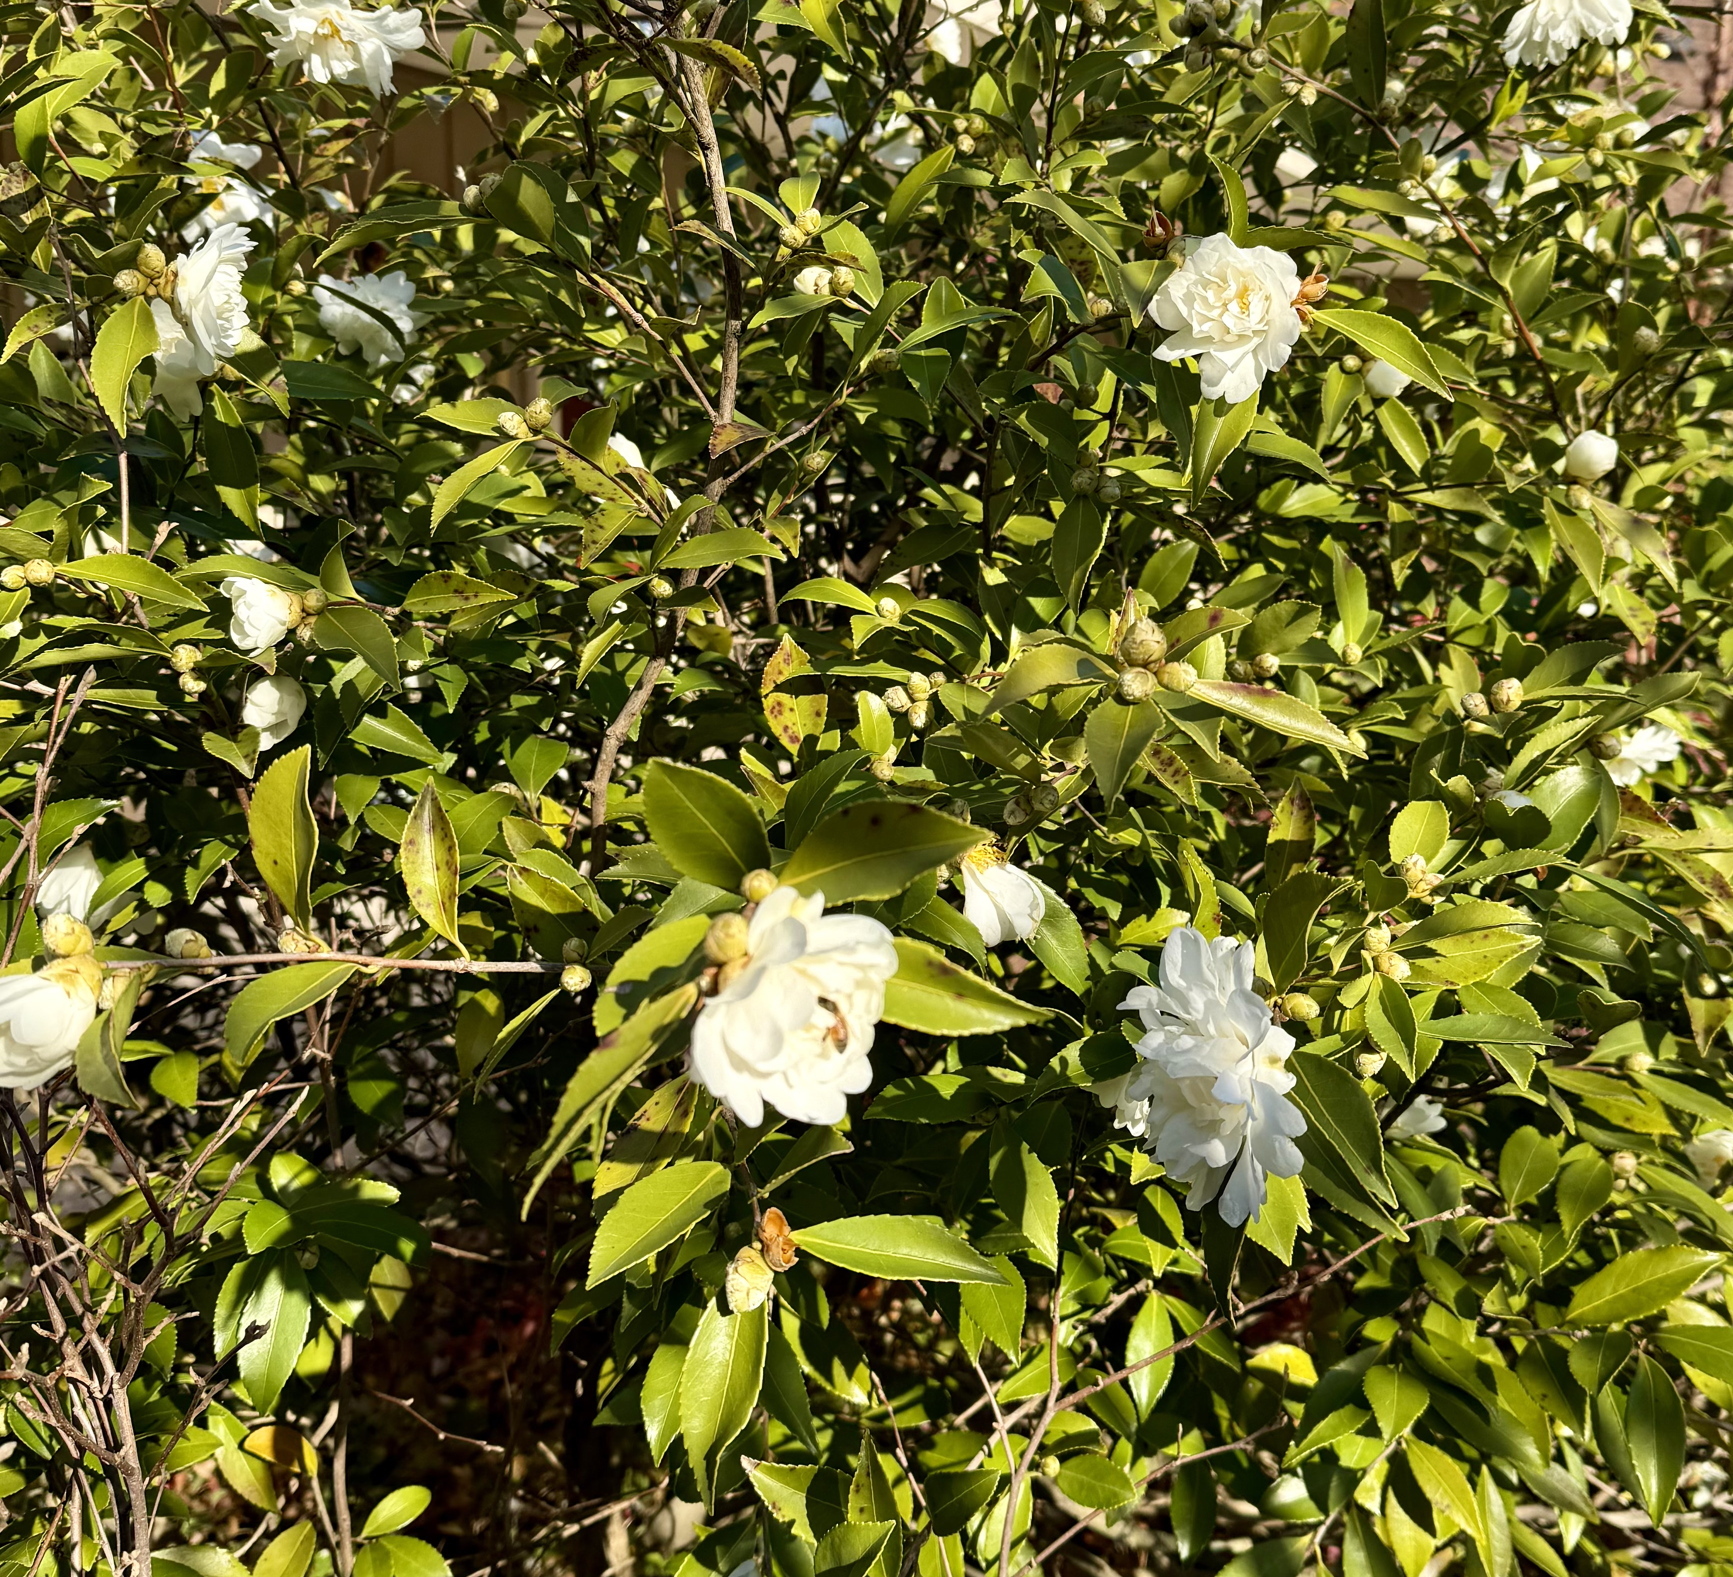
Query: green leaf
x: 411, y: 1557
x: 127, y: 572
x: 1421, y: 827
x: 607, y: 1070
x: 1339, y: 1115
x: 1275, y: 710
x: 463, y: 481
x: 704, y: 824
x: 1526, y: 1165
x: 720, y: 1383
x: 954, y: 1495
x: 284, y: 834
x: 1194, y: 1508
x: 654, y: 1213
x: 721, y: 547
x: 427, y: 857
x: 661, y: 1398
x: 270, y: 1291
x: 289, y: 1554
x: 850, y: 1548
x: 451, y: 591
x: 1283, y: 1557
x: 875, y: 848
x: 400, y: 1508
x: 1047, y: 666
x: 1638, y: 1284
x: 931, y: 994
x: 896, y: 1248
x: 397, y: 732
x: 1093, y: 1480
x: 1287, y: 925
x: 348, y: 627
x: 1705, y: 1347
x: 1220, y: 429
x: 999, y: 1310
x: 1114, y: 737
x: 1388, y: 340
x: 1023, y: 1188
x: 713, y: 52
x: 127, y: 336
x: 1367, y: 40
x: 827, y: 588
x: 784, y: 1395
x: 1655, y: 1436
x: 278, y: 995
x: 321, y: 380
x: 914, y: 186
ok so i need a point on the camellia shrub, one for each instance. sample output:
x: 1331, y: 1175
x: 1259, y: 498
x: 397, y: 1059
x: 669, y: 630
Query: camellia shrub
x: 935, y: 792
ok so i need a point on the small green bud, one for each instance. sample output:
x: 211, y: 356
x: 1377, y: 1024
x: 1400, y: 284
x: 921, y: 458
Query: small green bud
x: 809, y: 221
x: 726, y: 940
x: 1624, y: 1164
x: 1266, y: 665
x: 1134, y: 685
x: 183, y: 658
x: 977, y: 126
x: 1085, y: 480
x: 1093, y: 13
x: 151, y: 260
x: 1143, y: 644
x: 574, y: 950
x: 1050, y: 1466
x: 472, y: 200
x: 660, y: 587
x: 890, y: 610
x: 539, y: 415
x: 919, y: 715
x: 39, y: 572
x: 842, y: 282
x: 1018, y: 811
x: 1638, y: 1063
x: 886, y: 360
x: 965, y: 144
x: 1392, y: 965
x: 1177, y: 676
x: 1506, y: 695
x: 315, y: 600
x: 1474, y: 705
x: 1297, y: 1005
x: 1606, y: 747
x: 192, y: 685
x: 575, y: 979
x: 12, y: 577
x: 129, y: 282
x: 295, y: 287
x: 1351, y: 365
x: 756, y: 886
x: 1352, y: 653
x: 512, y: 424
x: 792, y: 237
x: 1369, y: 1064
x: 814, y: 463
x: 1044, y: 799
x: 1109, y: 490
x: 1645, y: 342
x: 884, y: 768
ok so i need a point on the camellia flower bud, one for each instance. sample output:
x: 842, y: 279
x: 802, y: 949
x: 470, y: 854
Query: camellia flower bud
x: 1369, y: 1064
x: 897, y: 698
x: 1177, y: 676
x: 919, y: 716
x: 1606, y: 747
x: 1378, y: 936
x: 1392, y: 965
x: 129, y: 282
x: 792, y: 237
x: 810, y: 221
x: 1638, y: 1063
x: 1110, y: 490
x: 1412, y: 868
x: 538, y: 414
x: 1018, y: 811
x: 183, y: 658
x: 315, y: 600
x: 888, y: 360
x: 660, y: 587
x: 38, y: 572
x: 574, y: 950
x: 813, y: 463
x: 512, y: 424
x: 919, y: 687
x: 726, y: 939
x: 1590, y: 456
x: 1135, y: 684
x: 1085, y: 480
x: 1624, y: 1164
x: 965, y: 144
x: 1093, y: 12
x: 1143, y: 644
x: 65, y: 937
x: 575, y: 979
x: 1298, y: 1005
x: 1351, y: 364
x: 1266, y: 665
x: 1474, y: 705
x: 151, y: 260
x: 185, y: 943
x: 472, y: 200
x: 756, y: 886
x: 12, y: 577
x: 1352, y: 653
x: 1505, y: 695
x: 1044, y: 799
x: 295, y: 287
x: 842, y: 282
x: 1240, y: 671
x: 192, y: 685
x: 884, y: 767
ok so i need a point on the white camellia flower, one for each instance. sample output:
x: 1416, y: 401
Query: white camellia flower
x: 1000, y: 901
x: 1295, y: 167
x: 69, y: 887
x: 274, y: 706
x: 333, y: 42
x: 792, y: 1025
x: 1590, y: 456
x: 1710, y: 1153
x: 353, y: 329
x: 814, y: 281
x: 1546, y: 32
x: 43, y: 1017
x: 1235, y: 309
x: 1644, y: 754
x: 264, y: 613
x: 234, y: 201
x: 955, y: 29
x: 1421, y: 1116
x: 1211, y: 1091
x: 207, y: 319
x: 1384, y: 381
